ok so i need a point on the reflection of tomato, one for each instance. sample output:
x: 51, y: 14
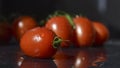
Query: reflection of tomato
x: 38, y: 42
x: 36, y: 63
x: 84, y: 32
x: 99, y: 57
x: 102, y: 33
x: 90, y: 57
x: 63, y: 60
x: 23, y: 24
x: 5, y: 32
x: 60, y: 25
x: 83, y: 59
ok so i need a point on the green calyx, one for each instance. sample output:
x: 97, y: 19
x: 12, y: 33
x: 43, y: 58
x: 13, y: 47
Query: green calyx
x: 56, y: 42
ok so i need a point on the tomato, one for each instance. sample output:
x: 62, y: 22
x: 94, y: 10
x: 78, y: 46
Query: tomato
x: 5, y: 32
x: 102, y: 33
x: 39, y: 42
x: 23, y: 24
x: 84, y: 32
x: 60, y: 25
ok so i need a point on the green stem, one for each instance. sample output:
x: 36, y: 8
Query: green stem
x: 68, y: 16
x: 70, y: 20
x: 42, y: 23
x: 56, y: 42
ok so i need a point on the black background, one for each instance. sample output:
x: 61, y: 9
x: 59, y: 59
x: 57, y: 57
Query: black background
x: 41, y: 8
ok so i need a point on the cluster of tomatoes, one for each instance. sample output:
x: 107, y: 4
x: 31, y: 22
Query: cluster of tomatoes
x: 58, y: 31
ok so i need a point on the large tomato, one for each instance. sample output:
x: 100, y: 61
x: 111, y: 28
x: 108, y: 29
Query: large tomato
x: 5, y: 32
x: 23, y: 24
x: 39, y: 42
x: 60, y: 25
x: 84, y: 32
x: 102, y: 33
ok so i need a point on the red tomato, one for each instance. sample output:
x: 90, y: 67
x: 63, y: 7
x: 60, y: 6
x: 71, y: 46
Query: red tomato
x: 60, y: 25
x: 23, y: 24
x: 84, y: 32
x: 39, y: 42
x: 102, y: 33
x: 5, y: 32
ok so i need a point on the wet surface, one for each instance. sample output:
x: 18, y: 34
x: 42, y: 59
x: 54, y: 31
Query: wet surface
x: 92, y: 57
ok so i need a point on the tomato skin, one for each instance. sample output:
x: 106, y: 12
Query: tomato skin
x: 38, y: 42
x: 5, y: 32
x: 84, y: 32
x: 23, y: 24
x: 102, y: 33
x: 60, y: 25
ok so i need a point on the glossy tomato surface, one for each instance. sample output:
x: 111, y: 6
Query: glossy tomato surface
x: 5, y: 32
x: 22, y: 24
x: 38, y: 42
x: 60, y: 25
x: 84, y: 32
x: 102, y: 33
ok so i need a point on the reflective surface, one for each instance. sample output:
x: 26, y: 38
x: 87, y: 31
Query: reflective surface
x: 93, y: 57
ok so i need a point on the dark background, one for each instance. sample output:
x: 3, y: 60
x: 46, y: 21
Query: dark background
x: 106, y: 11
